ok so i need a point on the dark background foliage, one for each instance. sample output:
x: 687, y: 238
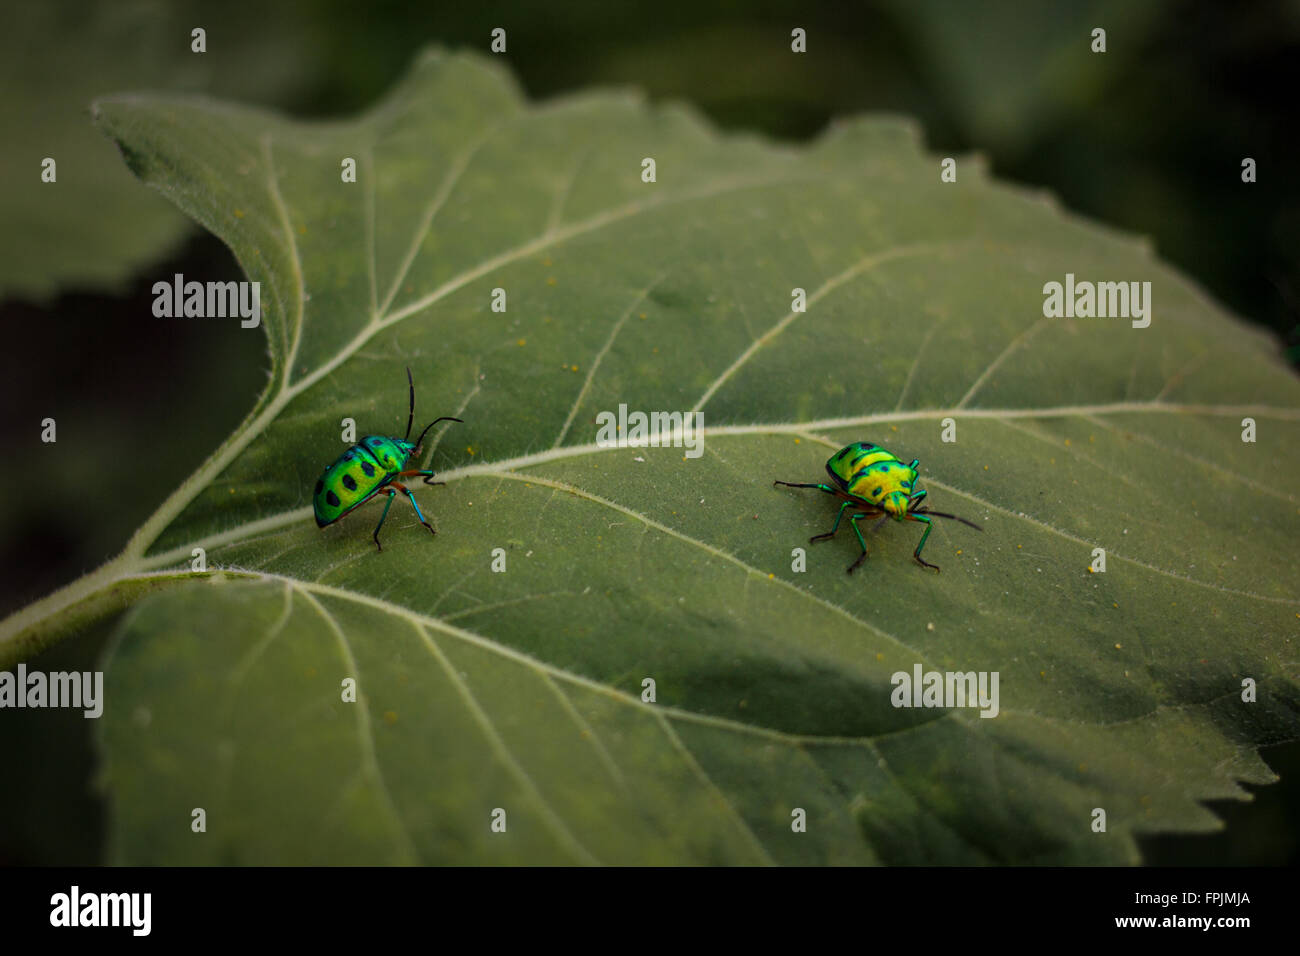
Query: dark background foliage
x: 1148, y: 137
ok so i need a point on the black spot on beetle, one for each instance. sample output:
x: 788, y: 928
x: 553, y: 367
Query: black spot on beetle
x: 319, y: 485
x: 349, y: 483
x: 332, y: 499
x: 368, y: 468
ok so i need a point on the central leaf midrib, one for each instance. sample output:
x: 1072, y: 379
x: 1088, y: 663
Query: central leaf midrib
x: 507, y: 466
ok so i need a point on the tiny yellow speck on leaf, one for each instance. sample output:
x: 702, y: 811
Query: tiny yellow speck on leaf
x: 239, y: 214
x: 550, y: 280
x: 390, y: 717
x: 522, y: 342
x: 1119, y: 647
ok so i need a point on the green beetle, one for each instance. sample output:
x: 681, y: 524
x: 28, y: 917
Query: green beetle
x: 874, y: 483
x: 370, y: 466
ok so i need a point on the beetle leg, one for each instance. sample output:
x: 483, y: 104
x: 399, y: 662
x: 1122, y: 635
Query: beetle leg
x: 417, y: 473
x: 387, y: 505
x: 826, y: 488
x: 834, y: 527
x: 921, y: 544
x: 853, y: 522
x: 407, y: 491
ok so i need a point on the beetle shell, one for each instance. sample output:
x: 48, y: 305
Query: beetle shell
x: 875, y: 475
x: 356, y: 475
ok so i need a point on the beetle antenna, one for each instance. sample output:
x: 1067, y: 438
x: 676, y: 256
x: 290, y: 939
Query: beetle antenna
x: 410, y: 418
x: 446, y: 418
x: 944, y: 514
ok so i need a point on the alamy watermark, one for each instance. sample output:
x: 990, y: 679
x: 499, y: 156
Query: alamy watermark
x: 950, y: 689
x: 129, y: 910
x: 208, y: 300
x: 79, y: 690
x: 651, y: 430
x: 1086, y: 300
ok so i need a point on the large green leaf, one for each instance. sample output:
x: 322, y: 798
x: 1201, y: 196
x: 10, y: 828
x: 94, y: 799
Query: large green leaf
x: 522, y: 690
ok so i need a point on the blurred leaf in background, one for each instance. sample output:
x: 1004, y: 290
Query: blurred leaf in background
x: 95, y: 227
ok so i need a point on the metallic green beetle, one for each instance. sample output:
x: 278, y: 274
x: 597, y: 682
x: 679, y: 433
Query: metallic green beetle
x: 370, y: 466
x: 875, y: 483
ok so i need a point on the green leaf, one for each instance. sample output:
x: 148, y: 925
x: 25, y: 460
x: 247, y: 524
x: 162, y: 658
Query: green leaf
x: 522, y: 690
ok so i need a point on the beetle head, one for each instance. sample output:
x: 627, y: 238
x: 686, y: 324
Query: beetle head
x: 896, y: 504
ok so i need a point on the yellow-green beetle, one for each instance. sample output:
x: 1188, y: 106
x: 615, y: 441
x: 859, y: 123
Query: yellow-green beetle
x: 875, y: 483
x: 370, y: 466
